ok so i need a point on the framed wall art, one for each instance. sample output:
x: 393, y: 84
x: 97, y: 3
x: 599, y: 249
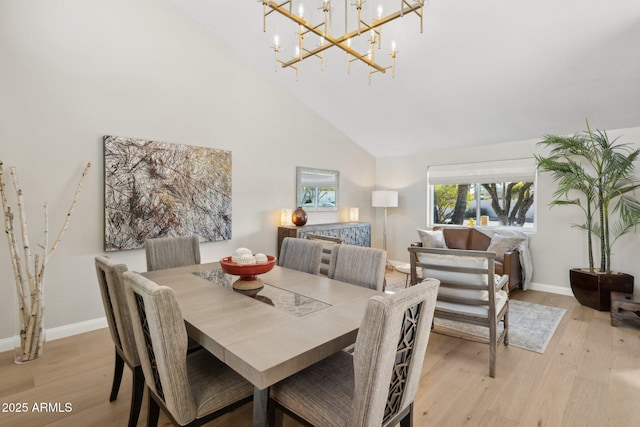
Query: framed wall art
x: 157, y: 189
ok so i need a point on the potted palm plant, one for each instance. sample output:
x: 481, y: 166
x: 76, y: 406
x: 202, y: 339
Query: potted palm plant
x: 596, y: 175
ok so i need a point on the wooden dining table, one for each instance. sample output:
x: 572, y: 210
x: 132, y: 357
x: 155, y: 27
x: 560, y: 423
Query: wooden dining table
x: 297, y: 320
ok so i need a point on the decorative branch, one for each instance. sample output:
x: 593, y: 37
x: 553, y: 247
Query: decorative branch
x: 29, y: 281
x: 73, y: 205
x: 23, y: 226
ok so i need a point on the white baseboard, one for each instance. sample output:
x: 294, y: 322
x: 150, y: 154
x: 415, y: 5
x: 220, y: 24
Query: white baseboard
x: 7, y: 344
x: 554, y: 289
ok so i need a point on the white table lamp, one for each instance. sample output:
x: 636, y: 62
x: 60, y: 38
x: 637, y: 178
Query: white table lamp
x: 354, y: 214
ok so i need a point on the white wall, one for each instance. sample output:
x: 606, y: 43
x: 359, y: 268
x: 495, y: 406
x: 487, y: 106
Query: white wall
x: 555, y: 246
x: 73, y: 71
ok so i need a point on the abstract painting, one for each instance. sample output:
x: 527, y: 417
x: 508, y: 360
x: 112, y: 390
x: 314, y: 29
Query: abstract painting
x: 157, y: 189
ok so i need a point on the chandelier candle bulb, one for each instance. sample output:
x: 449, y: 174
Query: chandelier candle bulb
x: 276, y: 49
x: 348, y: 57
x: 393, y: 62
x: 328, y: 22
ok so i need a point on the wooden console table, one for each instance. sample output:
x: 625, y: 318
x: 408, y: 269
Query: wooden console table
x: 351, y: 233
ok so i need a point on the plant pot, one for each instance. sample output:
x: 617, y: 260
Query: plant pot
x: 593, y: 289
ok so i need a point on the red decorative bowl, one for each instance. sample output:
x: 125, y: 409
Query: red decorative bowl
x: 248, y: 280
x: 247, y: 269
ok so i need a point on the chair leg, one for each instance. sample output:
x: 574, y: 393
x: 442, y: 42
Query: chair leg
x: 117, y: 377
x: 136, y: 396
x: 153, y: 411
x: 407, y: 421
x: 506, y: 327
x: 492, y: 349
x: 274, y: 414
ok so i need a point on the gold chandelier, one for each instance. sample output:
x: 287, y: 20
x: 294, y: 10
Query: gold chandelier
x: 371, y: 31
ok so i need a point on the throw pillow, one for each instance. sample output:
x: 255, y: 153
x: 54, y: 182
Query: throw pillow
x: 432, y: 239
x: 501, y: 244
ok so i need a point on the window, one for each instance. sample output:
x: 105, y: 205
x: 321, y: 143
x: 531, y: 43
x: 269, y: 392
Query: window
x: 499, y: 193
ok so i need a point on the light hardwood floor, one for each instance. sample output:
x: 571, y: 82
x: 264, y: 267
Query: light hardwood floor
x: 589, y: 375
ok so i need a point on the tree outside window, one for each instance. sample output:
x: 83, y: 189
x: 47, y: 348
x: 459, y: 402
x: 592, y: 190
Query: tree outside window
x: 504, y: 203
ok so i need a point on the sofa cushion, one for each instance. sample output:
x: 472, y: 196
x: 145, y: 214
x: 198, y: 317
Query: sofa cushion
x: 501, y: 244
x: 431, y: 239
x: 456, y: 238
x: 476, y: 310
x: 478, y: 241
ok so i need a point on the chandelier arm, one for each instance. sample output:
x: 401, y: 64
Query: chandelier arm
x: 313, y: 30
x: 333, y: 42
x: 379, y: 22
x: 419, y: 5
x: 265, y: 3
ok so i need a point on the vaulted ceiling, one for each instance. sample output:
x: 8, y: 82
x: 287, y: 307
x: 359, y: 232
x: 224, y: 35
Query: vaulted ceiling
x: 482, y: 72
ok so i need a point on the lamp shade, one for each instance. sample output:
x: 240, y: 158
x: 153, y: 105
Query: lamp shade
x: 354, y: 214
x: 285, y: 216
x: 384, y: 199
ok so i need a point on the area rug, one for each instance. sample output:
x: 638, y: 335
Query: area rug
x: 531, y: 326
x: 392, y: 288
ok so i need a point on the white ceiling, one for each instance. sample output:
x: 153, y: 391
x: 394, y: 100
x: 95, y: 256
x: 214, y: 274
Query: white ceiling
x: 482, y: 72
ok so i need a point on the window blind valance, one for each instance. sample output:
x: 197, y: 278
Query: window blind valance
x: 483, y: 172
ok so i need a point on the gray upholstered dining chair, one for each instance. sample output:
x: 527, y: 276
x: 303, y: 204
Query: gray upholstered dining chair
x: 117, y: 313
x: 192, y: 388
x: 301, y: 254
x: 170, y: 252
x: 328, y: 248
x: 377, y: 385
x: 360, y: 266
